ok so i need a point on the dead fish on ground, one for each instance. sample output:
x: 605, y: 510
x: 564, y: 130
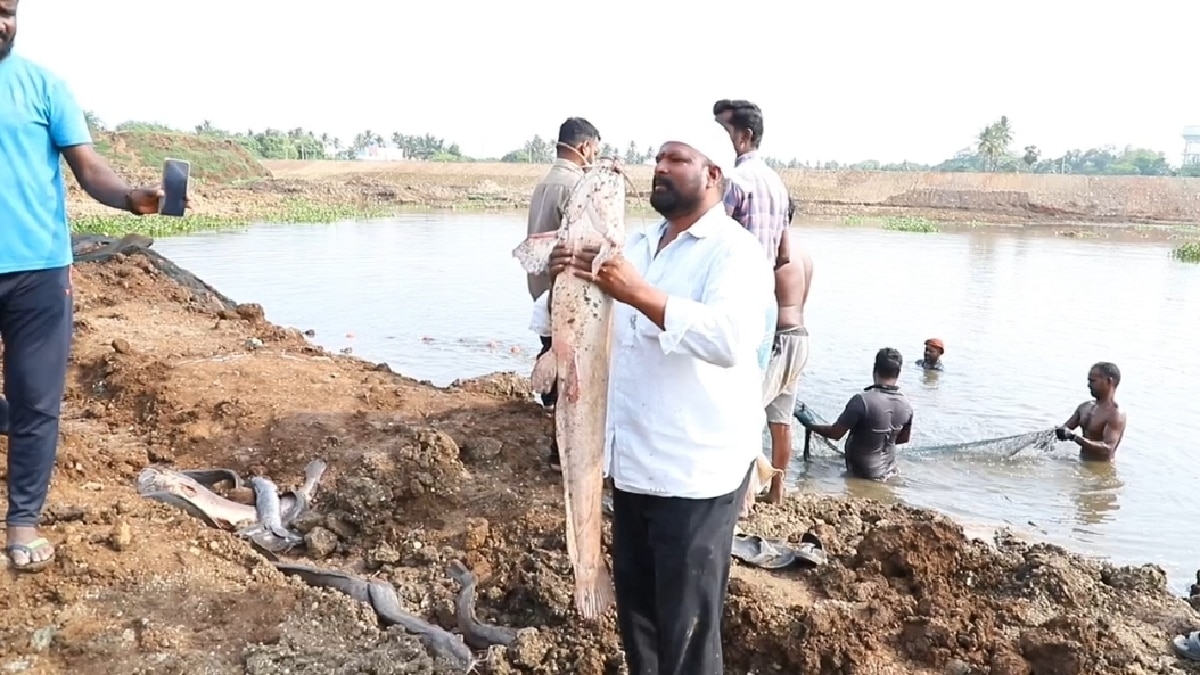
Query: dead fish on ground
x: 381, y: 596
x: 580, y: 319
x: 209, y: 478
x: 265, y: 523
x: 760, y: 481
x: 268, y: 531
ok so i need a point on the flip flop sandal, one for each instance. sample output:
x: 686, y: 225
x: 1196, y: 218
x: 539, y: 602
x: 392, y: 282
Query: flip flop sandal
x: 29, y: 549
x: 758, y: 552
x: 1188, y: 646
x: 811, y: 550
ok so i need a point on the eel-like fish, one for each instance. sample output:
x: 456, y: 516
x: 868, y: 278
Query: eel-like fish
x: 441, y: 642
x: 265, y: 523
x: 476, y: 634
x: 580, y: 320
x: 268, y: 529
x: 382, y: 598
x: 177, y: 489
x: 210, y: 477
x: 296, y: 503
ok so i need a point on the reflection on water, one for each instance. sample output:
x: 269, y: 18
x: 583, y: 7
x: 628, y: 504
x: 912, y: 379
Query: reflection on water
x: 930, y: 378
x: 1023, y: 317
x: 1096, y: 493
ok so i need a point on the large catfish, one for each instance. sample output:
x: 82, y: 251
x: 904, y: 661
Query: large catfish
x: 580, y: 319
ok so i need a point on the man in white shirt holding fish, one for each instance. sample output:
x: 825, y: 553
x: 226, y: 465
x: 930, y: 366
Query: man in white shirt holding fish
x: 685, y: 414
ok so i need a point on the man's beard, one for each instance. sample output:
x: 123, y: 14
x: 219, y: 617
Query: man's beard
x: 6, y: 47
x: 669, y: 201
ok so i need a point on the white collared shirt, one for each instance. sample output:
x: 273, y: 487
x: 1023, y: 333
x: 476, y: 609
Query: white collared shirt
x: 685, y: 414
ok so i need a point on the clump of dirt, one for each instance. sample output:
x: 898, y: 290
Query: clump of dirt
x: 419, y: 476
x: 908, y: 589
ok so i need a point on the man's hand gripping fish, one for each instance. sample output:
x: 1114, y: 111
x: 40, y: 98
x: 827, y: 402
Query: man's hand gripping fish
x: 578, y: 361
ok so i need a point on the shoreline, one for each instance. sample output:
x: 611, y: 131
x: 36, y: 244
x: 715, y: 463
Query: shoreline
x: 326, y: 190
x: 312, y: 209
x: 165, y: 372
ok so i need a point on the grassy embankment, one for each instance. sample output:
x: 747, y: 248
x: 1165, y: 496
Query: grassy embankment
x: 291, y: 211
x: 217, y: 167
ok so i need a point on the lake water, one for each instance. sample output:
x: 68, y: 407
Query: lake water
x: 1024, y: 316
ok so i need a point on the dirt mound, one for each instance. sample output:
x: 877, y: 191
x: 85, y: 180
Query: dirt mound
x: 138, y: 156
x: 217, y: 166
x: 419, y: 476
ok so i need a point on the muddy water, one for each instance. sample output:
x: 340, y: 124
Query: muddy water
x: 1023, y: 317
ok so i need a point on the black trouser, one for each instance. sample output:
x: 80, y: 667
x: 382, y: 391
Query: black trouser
x: 671, y: 561
x: 550, y: 398
x: 35, y: 327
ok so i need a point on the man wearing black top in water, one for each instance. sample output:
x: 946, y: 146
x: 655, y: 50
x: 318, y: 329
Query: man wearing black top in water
x: 878, y: 419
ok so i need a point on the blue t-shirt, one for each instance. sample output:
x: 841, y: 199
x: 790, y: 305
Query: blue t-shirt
x: 38, y: 118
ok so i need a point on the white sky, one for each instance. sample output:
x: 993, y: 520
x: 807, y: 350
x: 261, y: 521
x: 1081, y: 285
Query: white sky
x: 849, y: 81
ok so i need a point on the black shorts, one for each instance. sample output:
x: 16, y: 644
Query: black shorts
x: 550, y: 398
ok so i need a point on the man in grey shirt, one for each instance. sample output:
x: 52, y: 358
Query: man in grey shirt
x: 877, y: 419
x: 577, y: 147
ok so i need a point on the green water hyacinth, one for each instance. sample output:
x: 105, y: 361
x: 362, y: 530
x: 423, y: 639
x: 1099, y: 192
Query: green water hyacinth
x: 895, y: 223
x: 292, y: 211
x: 1187, y: 252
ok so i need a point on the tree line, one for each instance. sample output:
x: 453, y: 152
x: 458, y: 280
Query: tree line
x: 991, y: 151
x: 300, y: 143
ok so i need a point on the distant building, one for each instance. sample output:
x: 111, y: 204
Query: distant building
x: 380, y: 154
x: 1191, y: 145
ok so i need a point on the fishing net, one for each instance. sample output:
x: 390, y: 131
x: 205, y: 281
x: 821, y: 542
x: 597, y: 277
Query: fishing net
x: 1001, y: 446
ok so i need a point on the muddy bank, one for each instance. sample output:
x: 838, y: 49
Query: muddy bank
x: 1000, y: 198
x: 1011, y: 199
x: 420, y: 476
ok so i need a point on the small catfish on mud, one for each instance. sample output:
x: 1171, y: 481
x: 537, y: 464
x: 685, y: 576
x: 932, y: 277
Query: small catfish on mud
x: 580, y: 320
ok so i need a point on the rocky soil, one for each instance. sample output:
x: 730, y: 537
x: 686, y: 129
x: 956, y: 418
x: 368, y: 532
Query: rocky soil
x: 419, y: 476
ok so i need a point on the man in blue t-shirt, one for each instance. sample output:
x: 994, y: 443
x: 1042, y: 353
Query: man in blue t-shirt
x: 39, y: 122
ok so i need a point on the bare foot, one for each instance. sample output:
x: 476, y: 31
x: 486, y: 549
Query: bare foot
x: 26, y: 548
x: 775, y: 494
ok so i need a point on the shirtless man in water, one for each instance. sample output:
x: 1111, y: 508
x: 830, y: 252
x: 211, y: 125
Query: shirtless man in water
x: 788, y: 357
x: 1101, y: 422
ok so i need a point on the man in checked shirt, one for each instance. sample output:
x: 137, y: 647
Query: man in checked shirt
x: 761, y: 206
x: 764, y: 208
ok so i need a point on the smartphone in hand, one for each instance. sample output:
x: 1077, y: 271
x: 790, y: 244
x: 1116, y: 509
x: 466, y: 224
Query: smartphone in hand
x: 175, y: 187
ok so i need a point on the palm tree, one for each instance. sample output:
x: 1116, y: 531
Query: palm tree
x: 994, y: 141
